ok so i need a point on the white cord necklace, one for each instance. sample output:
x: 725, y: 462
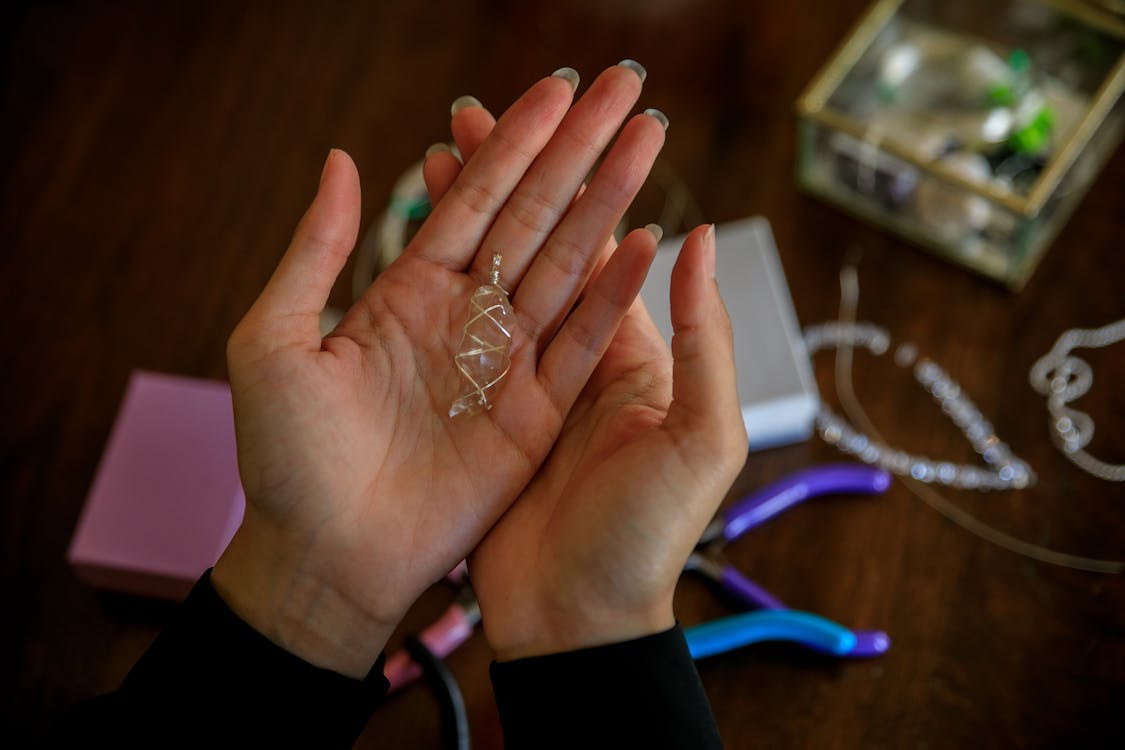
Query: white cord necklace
x: 1006, y: 471
x: 1062, y: 378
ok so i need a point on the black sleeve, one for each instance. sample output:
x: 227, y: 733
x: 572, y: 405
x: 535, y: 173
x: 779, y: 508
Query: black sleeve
x: 640, y: 693
x: 210, y: 680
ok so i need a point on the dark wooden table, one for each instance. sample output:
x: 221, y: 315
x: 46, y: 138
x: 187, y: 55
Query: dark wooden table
x: 155, y: 158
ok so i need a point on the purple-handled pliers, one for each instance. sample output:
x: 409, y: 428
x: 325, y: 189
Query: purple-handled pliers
x: 760, y: 506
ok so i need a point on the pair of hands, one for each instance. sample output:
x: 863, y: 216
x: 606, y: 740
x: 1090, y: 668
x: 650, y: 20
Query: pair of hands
x: 578, y: 496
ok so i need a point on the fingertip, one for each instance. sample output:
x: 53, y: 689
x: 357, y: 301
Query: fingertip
x: 627, y: 74
x: 327, y: 165
x: 568, y: 74
x: 693, y: 277
x: 470, y: 127
x: 439, y: 171
x: 339, y: 178
x: 462, y: 103
x: 644, y: 242
x: 709, y: 250
x: 659, y: 116
x: 337, y: 159
x: 628, y: 265
x: 553, y: 95
x: 437, y: 148
x: 655, y: 125
x: 635, y: 67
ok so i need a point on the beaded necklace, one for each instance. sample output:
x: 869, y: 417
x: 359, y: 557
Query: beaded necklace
x: 1006, y: 471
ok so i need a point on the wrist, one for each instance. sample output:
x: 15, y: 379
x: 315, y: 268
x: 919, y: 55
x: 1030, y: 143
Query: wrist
x: 268, y: 583
x: 528, y: 634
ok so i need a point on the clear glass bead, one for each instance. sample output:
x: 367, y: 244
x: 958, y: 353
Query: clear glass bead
x: 1009, y: 472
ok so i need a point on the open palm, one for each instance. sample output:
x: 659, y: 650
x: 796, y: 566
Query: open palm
x: 360, y: 487
x: 591, y: 551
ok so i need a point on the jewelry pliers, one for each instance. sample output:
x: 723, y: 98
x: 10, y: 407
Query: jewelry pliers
x: 775, y: 621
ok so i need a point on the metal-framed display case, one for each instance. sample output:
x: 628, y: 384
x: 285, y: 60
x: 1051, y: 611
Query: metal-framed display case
x: 972, y: 129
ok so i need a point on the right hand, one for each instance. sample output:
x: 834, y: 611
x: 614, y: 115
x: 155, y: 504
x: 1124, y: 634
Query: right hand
x: 591, y: 551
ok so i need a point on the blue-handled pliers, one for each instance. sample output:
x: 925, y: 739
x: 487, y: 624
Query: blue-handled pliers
x: 775, y: 621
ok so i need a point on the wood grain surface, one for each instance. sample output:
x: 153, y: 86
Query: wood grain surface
x: 156, y: 156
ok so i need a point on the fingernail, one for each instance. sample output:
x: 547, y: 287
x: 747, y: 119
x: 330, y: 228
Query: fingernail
x: 657, y: 232
x: 709, y: 250
x: 437, y: 148
x: 636, y: 67
x: 660, y: 116
x: 327, y: 161
x: 464, y: 102
x: 570, y: 75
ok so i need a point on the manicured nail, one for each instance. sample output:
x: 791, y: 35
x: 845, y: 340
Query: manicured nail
x: 660, y: 116
x: 437, y: 148
x: 657, y: 232
x: 636, y: 67
x: 570, y: 75
x: 709, y: 250
x: 464, y: 102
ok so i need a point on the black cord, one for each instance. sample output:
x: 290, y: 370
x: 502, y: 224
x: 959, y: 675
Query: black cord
x: 455, y: 720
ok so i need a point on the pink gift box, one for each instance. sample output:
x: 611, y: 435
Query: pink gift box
x: 166, y: 498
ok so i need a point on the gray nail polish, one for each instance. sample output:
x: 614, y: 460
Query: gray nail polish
x: 636, y: 67
x: 657, y: 232
x: 464, y: 102
x: 437, y: 148
x: 659, y: 116
x: 570, y: 75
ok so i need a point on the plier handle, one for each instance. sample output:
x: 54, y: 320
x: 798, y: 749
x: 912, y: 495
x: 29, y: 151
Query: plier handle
x: 750, y: 512
x: 442, y: 637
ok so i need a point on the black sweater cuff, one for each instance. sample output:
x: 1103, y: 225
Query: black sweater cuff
x: 639, y: 693
x: 212, y: 680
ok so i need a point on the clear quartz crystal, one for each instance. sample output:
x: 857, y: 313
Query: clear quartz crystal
x: 483, y: 357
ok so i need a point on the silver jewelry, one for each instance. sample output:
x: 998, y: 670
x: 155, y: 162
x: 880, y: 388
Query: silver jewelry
x: 1006, y: 471
x: 484, y: 356
x: 1062, y: 378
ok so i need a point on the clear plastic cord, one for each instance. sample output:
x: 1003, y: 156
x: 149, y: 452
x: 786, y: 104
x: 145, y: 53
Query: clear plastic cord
x: 849, y: 302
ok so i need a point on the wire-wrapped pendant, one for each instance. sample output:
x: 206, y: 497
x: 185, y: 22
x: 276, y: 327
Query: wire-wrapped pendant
x: 483, y: 356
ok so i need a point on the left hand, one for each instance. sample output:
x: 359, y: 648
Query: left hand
x: 361, y: 491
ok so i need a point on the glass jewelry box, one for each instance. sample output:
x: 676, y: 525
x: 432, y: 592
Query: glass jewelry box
x: 972, y: 129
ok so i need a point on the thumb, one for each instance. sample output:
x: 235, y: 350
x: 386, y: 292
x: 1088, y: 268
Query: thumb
x: 326, y: 235
x: 705, y: 407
